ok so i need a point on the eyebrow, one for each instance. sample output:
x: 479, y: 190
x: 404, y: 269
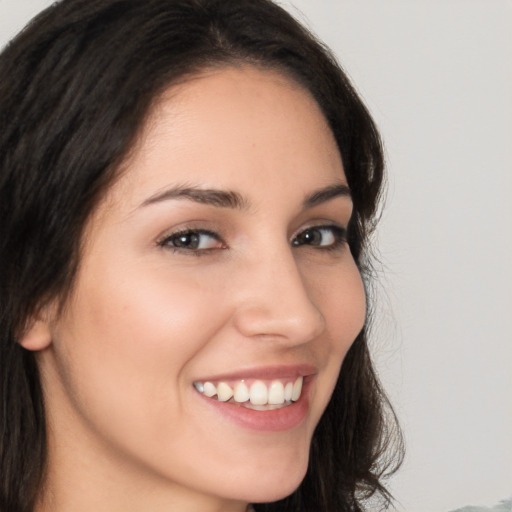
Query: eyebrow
x: 234, y: 200
x: 325, y: 194
x: 213, y: 197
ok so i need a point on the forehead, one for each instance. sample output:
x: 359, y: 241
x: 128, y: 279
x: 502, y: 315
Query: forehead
x: 231, y: 128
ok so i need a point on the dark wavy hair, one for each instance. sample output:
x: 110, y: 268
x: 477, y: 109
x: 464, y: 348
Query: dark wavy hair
x: 75, y: 91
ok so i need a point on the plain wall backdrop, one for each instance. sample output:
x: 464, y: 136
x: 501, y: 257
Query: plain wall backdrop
x: 437, y: 76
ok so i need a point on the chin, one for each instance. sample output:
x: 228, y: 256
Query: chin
x: 272, y: 485
x: 276, y: 492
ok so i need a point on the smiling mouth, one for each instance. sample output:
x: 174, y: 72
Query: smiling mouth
x: 254, y: 394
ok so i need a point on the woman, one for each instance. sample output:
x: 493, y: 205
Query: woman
x: 187, y: 190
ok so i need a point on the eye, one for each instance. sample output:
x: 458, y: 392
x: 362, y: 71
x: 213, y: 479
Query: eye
x: 329, y: 237
x: 192, y: 240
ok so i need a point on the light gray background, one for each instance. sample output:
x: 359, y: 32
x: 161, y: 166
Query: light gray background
x: 437, y: 76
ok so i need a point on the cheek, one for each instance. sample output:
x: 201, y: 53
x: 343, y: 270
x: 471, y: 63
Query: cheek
x: 148, y: 312
x: 127, y: 339
x: 341, y: 298
x: 350, y: 316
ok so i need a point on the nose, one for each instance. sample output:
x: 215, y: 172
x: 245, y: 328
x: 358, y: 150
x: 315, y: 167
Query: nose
x: 275, y: 302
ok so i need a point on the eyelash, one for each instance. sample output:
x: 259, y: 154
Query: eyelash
x: 168, y: 241
x: 338, y: 233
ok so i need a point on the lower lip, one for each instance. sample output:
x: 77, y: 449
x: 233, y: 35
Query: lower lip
x: 274, y: 420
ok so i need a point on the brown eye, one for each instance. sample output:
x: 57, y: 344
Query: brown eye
x: 186, y: 241
x: 192, y: 240
x: 320, y: 236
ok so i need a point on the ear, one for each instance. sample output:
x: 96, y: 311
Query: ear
x: 37, y: 336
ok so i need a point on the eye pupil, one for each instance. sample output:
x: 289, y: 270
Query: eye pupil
x: 188, y: 240
x: 310, y: 237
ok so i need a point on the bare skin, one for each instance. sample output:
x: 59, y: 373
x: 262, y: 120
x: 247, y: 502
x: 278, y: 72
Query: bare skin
x: 173, y: 289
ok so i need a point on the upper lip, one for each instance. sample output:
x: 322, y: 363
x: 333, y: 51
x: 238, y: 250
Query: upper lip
x: 265, y: 372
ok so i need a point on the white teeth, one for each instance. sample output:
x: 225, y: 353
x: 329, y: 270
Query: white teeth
x: 266, y: 407
x: 260, y: 394
x: 224, y: 392
x: 276, y: 393
x: 297, y: 388
x: 209, y: 389
x: 241, y: 393
x: 288, y: 391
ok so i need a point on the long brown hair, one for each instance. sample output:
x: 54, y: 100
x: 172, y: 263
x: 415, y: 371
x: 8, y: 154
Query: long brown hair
x: 76, y: 88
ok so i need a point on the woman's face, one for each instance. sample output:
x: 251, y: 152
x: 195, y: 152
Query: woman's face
x: 216, y: 264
